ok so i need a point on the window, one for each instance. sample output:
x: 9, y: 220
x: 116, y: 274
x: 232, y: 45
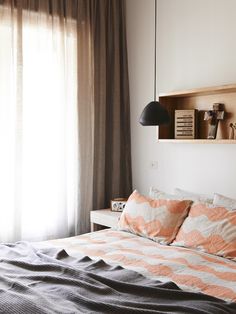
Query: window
x: 38, y: 126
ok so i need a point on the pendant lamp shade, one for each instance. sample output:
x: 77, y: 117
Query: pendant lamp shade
x: 154, y: 114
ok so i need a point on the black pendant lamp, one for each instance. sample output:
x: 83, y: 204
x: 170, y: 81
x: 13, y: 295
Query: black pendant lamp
x: 154, y: 113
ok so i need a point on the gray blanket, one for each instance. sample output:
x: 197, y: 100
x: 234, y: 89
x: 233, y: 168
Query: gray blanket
x: 49, y: 281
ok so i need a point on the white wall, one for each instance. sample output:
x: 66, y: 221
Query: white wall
x: 196, y: 48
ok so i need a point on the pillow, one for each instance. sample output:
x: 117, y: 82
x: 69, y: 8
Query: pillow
x: 210, y: 229
x: 158, y: 220
x: 157, y: 194
x: 180, y: 195
x: 221, y: 200
x: 202, y: 198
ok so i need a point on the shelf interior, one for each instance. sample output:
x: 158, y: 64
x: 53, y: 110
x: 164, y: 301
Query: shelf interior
x: 202, y: 100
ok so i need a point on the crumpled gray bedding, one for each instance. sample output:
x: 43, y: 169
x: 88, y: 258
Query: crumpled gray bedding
x: 36, y: 281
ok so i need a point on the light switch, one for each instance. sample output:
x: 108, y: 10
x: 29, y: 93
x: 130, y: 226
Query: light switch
x: 154, y: 164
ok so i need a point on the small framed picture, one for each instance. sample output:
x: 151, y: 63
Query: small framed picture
x: 118, y: 204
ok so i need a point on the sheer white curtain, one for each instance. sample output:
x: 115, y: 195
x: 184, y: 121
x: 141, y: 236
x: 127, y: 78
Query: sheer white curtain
x: 38, y: 124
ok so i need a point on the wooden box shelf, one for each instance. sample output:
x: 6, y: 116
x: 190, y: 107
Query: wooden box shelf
x: 201, y: 99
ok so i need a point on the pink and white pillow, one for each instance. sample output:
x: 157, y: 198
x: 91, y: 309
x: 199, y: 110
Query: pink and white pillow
x: 158, y: 220
x: 210, y: 229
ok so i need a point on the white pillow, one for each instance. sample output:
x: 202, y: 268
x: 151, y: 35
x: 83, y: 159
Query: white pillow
x: 155, y: 194
x: 194, y: 196
x: 224, y: 201
x: 180, y: 195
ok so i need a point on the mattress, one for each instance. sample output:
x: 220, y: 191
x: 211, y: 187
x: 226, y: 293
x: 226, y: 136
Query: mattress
x: 191, y: 270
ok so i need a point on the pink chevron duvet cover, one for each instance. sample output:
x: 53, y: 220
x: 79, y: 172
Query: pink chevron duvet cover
x: 191, y: 270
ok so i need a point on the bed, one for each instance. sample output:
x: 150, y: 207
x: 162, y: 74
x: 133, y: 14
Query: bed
x: 114, y: 271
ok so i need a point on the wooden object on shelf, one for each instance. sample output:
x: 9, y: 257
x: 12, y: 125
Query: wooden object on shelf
x: 201, y: 99
x: 213, y: 117
x: 185, y: 124
x: 232, y: 134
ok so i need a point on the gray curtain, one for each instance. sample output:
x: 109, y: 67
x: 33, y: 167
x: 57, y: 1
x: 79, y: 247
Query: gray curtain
x: 104, y: 109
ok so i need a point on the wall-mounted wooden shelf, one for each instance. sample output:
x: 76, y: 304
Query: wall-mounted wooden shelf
x: 201, y: 99
x: 197, y: 141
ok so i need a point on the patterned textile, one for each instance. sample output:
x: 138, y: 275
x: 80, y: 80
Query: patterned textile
x: 157, y: 219
x: 191, y: 270
x: 210, y: 229
x: 50, y: 281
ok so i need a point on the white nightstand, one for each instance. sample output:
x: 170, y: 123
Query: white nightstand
x: 103, y: 217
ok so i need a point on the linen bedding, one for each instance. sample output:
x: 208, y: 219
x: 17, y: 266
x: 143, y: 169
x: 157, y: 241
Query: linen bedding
x: 191, y: 270
x: 80, y: 275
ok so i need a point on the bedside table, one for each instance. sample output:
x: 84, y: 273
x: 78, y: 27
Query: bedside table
x: 103, y: 217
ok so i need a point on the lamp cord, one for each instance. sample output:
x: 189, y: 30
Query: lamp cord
x: 155, y: 51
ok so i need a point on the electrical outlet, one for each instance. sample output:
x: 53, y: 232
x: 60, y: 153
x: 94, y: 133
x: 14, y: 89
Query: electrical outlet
x: 154, y: 164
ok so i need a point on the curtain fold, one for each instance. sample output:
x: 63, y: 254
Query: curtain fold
x: 85, y: 115
x: 113, y: 154
x: 106, y: 143
x: 64, y: 115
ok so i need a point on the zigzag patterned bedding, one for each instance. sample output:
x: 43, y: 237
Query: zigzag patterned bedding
x: 191, y: 270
